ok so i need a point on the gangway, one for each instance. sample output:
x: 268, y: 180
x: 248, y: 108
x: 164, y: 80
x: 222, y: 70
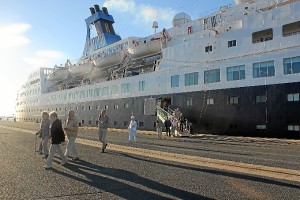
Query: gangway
x: 163, y: 114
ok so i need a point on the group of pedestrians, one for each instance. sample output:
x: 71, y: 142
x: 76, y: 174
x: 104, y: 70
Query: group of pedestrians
x: 53, y: 131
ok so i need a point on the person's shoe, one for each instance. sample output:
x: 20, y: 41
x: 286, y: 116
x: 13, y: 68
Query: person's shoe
x: 47, y: 167
x: 75, y: 159
x: 46, y: 156
x: 102, y: 151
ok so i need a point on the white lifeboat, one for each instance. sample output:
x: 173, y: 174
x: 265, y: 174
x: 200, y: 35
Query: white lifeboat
x: 143, y: 48
x: 103, y: 61
x: 59, y: 74
x: 83, y: 68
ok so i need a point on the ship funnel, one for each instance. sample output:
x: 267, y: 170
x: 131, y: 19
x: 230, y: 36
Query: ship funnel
x: 97, y: 8
x: 92, y: 10
x: 104, y: 9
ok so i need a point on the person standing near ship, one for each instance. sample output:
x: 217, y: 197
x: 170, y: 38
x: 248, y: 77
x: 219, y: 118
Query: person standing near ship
x: 168, y: 125
x: 159, y: 125
x: 71, y: 129
x: 44, y: 134
x: 132, y: 129
x: 102, y: 129
x: 57, y: 137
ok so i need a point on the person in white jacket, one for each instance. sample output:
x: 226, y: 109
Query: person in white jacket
x: 44, y: 134
x: 71, y: 130
x: 132, y: 129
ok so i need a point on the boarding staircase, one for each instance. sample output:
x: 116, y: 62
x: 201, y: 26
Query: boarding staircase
x: 163, y: 114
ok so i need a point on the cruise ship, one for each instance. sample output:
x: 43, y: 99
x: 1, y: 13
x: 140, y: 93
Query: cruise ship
x: 235, y: 71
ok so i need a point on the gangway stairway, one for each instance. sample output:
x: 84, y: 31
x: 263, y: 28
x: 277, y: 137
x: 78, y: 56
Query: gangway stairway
x: 163, y: 114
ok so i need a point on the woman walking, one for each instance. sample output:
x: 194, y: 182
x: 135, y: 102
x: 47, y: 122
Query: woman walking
x: 132, y: 129
x: 57, y: 137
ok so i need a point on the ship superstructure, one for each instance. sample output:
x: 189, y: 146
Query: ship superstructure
x: 234, y: 71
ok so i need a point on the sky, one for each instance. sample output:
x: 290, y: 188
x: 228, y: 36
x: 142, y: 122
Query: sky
x: 35, y: 33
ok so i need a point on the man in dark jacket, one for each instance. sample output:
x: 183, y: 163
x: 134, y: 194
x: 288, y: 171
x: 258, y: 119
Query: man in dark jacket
x: 168, y: 125
x: 57, y: 137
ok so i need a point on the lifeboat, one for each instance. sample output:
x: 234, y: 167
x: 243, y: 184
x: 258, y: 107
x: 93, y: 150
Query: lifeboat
x: 59, y: 74
x: 103, y: 60
x: 143, y: 48
x: 83, y: 68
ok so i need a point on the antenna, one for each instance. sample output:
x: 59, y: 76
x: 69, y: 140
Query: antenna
x: 155, y: 26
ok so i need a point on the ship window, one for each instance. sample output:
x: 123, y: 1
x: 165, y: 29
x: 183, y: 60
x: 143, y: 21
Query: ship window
x: 77, y: 108
x: 141, y: 86
x: 209, y: 126
x: 105, y: 91
x: 97, y: 92
x: 291, y: 65
x: 262, y: 36
x: 232, y: 126
x: 293, y: 97
x: 106, y: 107
x: 291, y: 29
x: 97, y: 107
x: 125, y: 88
x: 125, y: 123
x: 141, y: 124
x: 115, y: 123
x: 114, y: 89
x: 236, y: 73
x: 126, y: 105
x: 293, y: 127
x: 174, y: 81
x: 189, y: 102
x: 191, y: 79
x: 261, y: 127
x: 233, y: 100
x: 212, y: 76
x: 82, y: 122
x: 261, y: 99
x: 90, y: 122
x: 90, y: 107
x: 232, y: 43
x: 210, y: 101
x: 116, y: 106
x: 263, y: 69
x: 82, y: 108
x: 208, y: 48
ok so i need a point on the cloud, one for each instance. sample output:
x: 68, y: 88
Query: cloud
x: 13, y: 35
x: 44, y: 58
x: 121, y: 5
x: 49, y: 54
x: 141, y: 12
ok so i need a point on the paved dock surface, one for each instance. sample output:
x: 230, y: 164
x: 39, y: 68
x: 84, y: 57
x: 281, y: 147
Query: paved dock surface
x: 202, y: 167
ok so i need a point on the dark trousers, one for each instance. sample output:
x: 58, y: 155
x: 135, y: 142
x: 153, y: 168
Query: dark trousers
x: 168, y: 131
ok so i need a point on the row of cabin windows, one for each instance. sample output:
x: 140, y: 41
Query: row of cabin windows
x: 290, y: 127
x: 208, y: 126
x: 266, y: 35
x: 260, y: 70
x: 234, y: 100
x: 189, y: 103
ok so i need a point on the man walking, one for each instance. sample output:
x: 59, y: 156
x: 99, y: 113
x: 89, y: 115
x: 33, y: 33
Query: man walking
x: 168, y: 125
x: 71, y: 129
x: 102, y: 129
x: 44, y: 134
